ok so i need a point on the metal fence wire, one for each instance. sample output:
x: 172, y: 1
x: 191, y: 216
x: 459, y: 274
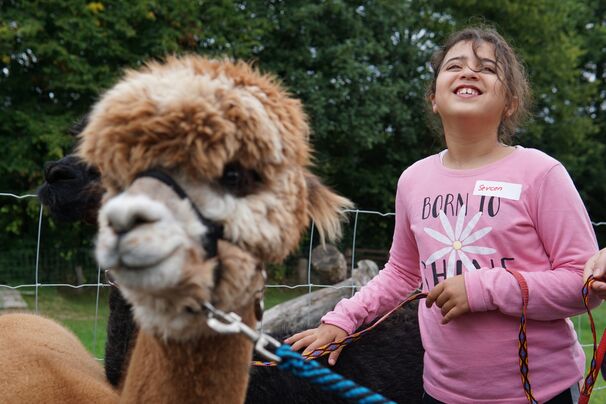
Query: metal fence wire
x: 29, y: 269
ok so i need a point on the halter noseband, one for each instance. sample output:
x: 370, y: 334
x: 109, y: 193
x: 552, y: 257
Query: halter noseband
x: 215, y: 231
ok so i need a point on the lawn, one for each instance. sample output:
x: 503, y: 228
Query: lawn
x: 76, y: 309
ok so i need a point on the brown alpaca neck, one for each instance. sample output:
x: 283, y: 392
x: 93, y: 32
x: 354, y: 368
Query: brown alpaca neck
x: 211, y: 369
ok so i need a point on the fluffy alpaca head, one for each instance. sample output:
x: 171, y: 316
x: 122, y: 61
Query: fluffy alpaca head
x: 72, y: 190
x: 238, y: 144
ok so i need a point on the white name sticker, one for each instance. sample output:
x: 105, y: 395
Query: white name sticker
x: 499, y: 189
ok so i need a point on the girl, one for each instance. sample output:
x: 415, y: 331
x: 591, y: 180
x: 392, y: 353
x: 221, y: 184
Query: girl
x: 465, y: 215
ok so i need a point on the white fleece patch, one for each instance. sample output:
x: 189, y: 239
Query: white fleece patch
x: 142, y: 242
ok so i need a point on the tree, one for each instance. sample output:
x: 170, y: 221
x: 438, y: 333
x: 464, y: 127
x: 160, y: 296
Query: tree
x: 359, y: 67
x: 56, y: 56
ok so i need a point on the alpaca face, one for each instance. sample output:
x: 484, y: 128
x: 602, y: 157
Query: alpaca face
x: 72, y: 190
x: 238, y: 145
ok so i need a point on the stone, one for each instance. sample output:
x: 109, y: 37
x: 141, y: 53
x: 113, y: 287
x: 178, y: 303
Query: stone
x: 11, y: 299
x: 328, y: 265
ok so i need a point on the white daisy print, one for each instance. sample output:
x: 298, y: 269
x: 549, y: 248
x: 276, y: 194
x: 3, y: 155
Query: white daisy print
x: 458, y: 241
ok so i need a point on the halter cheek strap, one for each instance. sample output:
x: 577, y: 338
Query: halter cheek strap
x: 215, y: 231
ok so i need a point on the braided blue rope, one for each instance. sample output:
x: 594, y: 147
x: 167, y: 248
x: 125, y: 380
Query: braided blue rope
x: 325, y: 378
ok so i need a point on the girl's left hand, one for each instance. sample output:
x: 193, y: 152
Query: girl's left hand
x: 450, y: 296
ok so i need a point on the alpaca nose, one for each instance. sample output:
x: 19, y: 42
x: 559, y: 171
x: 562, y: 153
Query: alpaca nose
x: 124, y: 214
x: 54, y: 172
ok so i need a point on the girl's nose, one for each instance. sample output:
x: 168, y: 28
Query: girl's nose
x: 468, y: 73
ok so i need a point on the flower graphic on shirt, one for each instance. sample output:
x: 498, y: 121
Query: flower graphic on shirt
x: 458, y: 241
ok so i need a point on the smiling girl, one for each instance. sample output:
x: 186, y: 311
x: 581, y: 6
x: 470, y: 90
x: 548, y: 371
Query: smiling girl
x: 465, y: 218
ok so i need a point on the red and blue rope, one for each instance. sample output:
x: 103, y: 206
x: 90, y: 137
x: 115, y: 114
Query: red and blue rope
x: 598, y: 351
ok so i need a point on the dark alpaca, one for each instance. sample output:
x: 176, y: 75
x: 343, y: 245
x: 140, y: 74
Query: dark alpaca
x: 388, y: 360
x: 72, y: 192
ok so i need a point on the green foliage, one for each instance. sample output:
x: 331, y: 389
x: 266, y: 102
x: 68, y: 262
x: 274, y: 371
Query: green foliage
x: 359, y: 66
x: 57, y: 56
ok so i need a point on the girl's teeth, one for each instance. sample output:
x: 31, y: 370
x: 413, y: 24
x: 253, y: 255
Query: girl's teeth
x: 467, y: 91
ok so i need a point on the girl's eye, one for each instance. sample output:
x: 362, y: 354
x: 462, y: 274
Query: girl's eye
x: 453, y: 67
x: 239, y: 180
x: 489, y: 69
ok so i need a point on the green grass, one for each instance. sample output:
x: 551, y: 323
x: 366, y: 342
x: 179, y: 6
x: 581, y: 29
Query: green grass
x: 274, y: 296
x: 77, y: 312
x: 74, y: 308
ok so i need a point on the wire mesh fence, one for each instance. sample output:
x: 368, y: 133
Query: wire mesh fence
x: 54, y: 281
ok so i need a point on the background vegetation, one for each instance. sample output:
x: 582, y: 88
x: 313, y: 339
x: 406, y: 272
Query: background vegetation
x: 359, y: 66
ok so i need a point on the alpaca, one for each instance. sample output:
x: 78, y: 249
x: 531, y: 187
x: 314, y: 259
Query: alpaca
x: 44, y: 369
x: 72, y: 192
x: 388, y: 359
x: 205, y: 166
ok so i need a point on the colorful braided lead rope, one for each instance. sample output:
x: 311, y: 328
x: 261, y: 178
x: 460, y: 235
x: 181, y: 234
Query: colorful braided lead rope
x: 333, y: 346
x: 325, y: 378
x: 598, y: 351
x: 522, y: 340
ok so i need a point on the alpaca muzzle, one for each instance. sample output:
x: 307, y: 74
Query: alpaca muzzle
x: 215, y: 230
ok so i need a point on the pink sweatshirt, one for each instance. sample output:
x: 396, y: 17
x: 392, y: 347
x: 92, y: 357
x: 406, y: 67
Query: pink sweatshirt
x: 521, y: 212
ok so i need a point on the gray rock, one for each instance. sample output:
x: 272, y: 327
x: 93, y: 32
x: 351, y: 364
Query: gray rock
x: 11, y: 299
x: 328, y: 265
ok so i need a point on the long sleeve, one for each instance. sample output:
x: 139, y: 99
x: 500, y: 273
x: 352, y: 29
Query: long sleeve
x: 394, y: 282
x: 565, y: 231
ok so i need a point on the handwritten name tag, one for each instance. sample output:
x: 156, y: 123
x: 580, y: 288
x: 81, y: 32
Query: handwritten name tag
x: 499, y: 189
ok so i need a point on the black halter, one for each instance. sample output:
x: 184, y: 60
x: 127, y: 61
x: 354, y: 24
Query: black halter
x: 215, y: 231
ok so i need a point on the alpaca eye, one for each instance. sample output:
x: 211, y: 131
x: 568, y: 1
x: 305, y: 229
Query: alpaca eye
x: 238, y: 180
x: 232, y: 176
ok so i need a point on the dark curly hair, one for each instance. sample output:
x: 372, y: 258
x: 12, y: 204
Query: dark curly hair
x: 511, y: 73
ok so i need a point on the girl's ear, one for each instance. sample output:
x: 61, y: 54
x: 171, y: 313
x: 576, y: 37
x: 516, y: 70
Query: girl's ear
x: 512, y: 107
x: 434, y: 107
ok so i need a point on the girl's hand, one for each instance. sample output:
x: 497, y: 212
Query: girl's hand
x: 596, y: 266
x: 451, y: 296
x: 316, y: 337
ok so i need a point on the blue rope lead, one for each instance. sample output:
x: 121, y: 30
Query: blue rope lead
x: 325, y: 378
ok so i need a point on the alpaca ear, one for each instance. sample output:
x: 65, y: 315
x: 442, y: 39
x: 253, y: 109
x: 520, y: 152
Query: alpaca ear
x: 325, y: 208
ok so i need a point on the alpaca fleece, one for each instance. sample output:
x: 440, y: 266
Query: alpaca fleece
x: 195, y: 116
x: 57, y: 346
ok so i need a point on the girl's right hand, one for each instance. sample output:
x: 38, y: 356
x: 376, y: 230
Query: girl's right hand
x: 316, y: 337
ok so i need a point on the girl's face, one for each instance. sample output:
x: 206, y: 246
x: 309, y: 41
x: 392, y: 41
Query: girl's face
x: 468, y: 86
